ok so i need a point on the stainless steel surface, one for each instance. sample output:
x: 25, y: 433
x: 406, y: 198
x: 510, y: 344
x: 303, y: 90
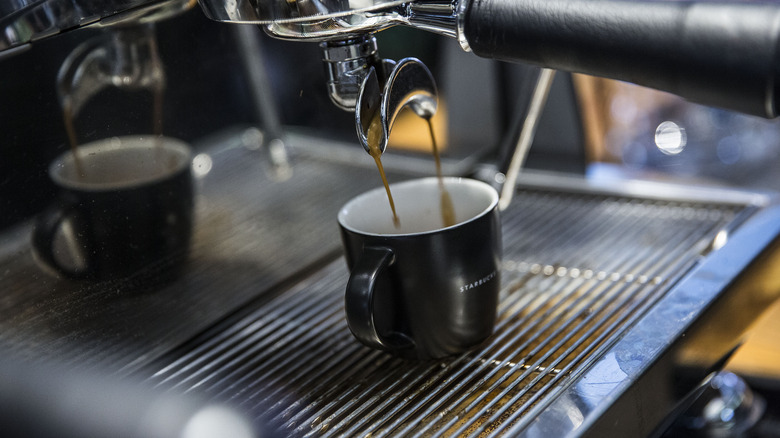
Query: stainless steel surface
x: 252, y: 232
x: 25, y: 21
x: 526, y: 136
x: 38, y: 401
x: 316, y: 20
x: 376, y: 89
x: 409, y: 83
x: 676, y: 44
x: 320, y: 20
x: 725, y: 407
x: 262, y: 91
x: 125, y: 57
x: 347, y: 63
x: 350, y: 51
x: 243, y: 11
x: 586, y: 275
x: 602, y: 285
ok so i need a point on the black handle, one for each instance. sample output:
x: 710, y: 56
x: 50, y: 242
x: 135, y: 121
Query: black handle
x: 359, y: 300
x: 45, y: 231
x: 716, y: 54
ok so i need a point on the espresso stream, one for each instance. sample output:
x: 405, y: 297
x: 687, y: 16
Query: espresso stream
x: 374, y: 136
x: 70, y: 129
x: 67, y: 115
x: 447, y: 209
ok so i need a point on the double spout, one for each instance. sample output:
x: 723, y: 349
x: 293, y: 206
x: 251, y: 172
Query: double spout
x: 410, y: 83
x: 714, y: 53
x: 124, y: 57
x: 378, y: 89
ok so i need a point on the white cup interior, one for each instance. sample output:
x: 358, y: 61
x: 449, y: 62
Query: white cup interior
x: 418, y: 204
x: 120, y: 162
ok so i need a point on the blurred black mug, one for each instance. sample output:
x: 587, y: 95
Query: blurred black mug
x: 423, y: 290
x: 124, y: 205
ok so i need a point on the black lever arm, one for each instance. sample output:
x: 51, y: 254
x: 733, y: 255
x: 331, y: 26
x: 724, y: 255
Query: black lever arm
x: 718, y: 54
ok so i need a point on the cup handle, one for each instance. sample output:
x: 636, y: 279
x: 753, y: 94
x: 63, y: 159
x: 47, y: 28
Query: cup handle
x: 359, y: 301
x: 46, y: 227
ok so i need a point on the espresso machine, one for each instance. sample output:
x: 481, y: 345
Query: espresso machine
x: 621, y: 299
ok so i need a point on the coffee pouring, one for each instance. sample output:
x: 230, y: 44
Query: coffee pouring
x: 713, y: 53
x: 717, y: 54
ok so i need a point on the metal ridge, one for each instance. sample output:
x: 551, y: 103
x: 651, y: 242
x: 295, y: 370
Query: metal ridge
x: 583, y: 274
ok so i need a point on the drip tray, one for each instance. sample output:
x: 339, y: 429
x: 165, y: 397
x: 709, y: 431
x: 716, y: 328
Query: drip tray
x: 597, y: 288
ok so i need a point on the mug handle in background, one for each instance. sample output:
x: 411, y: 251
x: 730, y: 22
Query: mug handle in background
x: 46, y: 226
x: 359, y: 300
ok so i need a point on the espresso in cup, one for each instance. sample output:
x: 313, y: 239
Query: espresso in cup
x: 123, y: 204
x: 422, y: 289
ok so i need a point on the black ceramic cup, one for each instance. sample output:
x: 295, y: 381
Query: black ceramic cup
x: 423, y: 290
x: 126, y: 204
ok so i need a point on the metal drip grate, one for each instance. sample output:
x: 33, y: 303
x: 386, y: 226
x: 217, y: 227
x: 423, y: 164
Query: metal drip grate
x: 578, y: 270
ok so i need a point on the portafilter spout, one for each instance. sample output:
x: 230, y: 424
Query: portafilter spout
x: 123, y: 56
x: 409, y: 83
x: 347, y: 64
x: 358, y: 79
x: 715, y: 53
x: 23, y: 22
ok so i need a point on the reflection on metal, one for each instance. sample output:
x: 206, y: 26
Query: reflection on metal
x: 720, y: 239
x: 124, y: 57
x: 201, y: 165
x: 670, y: 138
x: 262, y: 92
x: 251, y: 232
x: 66, y: 244
x: 25, y: 21
x: 582, y: 273
x: 724, y: 406
x: 218, y: 421
x: 410, y: 83
x: 347, y: 63
x: 248, y: 11
x: 277, y: 154
x: 321, y: 20
x: 46, y: 399
x: 527, y: 133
